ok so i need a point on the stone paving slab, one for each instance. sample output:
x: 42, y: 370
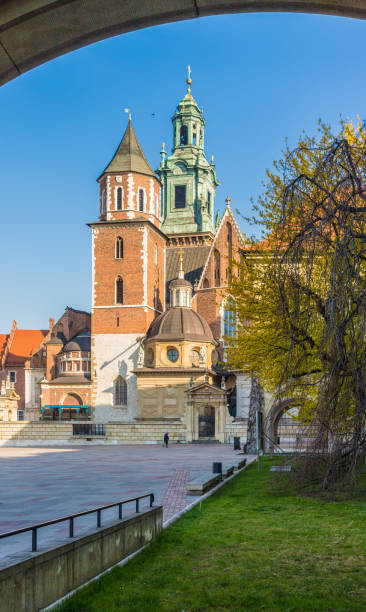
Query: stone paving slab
x: 40, y: 484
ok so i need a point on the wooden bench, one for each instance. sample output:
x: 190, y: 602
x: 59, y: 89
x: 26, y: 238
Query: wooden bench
x: 240, y: 464
x: 203, y: 483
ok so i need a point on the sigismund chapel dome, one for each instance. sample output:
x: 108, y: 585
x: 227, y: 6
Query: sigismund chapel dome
x: 180, y: 323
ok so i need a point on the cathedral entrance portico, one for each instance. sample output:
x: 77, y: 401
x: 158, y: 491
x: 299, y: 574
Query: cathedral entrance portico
x: 207, y: 412
x: 206, y: 422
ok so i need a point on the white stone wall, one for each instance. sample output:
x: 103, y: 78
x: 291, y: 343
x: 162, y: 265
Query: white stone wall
x: 115, y: 354
x: 32, y: 388
x: 243, y: 388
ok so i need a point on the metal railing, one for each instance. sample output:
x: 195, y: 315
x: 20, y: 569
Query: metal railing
x: 88, y: 429
x: 71, y: 517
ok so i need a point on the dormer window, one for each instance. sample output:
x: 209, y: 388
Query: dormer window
x: 119, y: 198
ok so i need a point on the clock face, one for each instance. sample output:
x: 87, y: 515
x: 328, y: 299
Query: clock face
x: 172, y: 354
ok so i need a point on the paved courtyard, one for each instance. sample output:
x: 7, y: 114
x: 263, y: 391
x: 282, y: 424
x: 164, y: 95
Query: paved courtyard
x: 39, y: 484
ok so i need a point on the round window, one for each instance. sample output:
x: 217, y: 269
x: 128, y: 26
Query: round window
x: 194, y: 356
x: 172, y: 354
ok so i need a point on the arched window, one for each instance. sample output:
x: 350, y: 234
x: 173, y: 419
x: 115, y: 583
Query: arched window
x: 119, y: 198
x: 184, y: 135
x: 229, y: 323
x: 217, y: 268
x: 103, y: 202
x: 206, y: 284
x: 141, y: 200
x: 120, y: 392
x: 119, y: 248
x: 156, y: 205
x: 119, y: 290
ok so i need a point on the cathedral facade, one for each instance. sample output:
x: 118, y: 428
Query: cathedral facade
x: 152, y: 349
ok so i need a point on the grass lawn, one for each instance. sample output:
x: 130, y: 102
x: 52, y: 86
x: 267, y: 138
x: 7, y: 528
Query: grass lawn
x: 248, y: 548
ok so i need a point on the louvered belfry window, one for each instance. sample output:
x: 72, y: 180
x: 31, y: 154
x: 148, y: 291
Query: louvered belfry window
x: 119, y: 198
x: 141, y: 200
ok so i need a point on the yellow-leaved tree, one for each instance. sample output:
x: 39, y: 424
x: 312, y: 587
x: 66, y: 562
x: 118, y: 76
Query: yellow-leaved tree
x: 299, y: 298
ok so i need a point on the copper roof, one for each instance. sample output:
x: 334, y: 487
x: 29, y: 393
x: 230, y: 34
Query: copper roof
x: 180, y: 324
x: 129, y: 156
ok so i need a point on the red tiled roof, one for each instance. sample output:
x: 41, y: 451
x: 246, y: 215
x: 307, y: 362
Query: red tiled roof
x: 3, y: 339
x: 24, y: 343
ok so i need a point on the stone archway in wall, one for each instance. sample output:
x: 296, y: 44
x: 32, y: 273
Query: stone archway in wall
x: 72, y: 399
x: 35, y: 31
x: 281, y: 429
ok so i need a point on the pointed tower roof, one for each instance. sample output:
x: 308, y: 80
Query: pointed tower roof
x: 129, y: 156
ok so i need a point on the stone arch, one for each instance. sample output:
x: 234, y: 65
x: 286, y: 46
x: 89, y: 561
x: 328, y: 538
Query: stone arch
x: 48, y: 29
x: 72, y: 399
x: 271, y: 421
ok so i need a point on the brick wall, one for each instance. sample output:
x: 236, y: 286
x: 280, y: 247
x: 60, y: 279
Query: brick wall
x: 138, y: 270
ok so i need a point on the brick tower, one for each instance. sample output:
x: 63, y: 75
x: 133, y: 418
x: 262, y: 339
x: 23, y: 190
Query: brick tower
x: 128, y: 262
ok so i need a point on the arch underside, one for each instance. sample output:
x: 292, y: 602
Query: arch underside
x: 35, y: 31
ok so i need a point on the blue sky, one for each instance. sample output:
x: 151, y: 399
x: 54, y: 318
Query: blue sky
x: 259, y: 77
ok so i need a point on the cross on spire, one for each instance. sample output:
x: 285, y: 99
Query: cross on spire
x: 228, y: 200
x: 128, y: 110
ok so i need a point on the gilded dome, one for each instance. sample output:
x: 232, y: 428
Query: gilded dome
x: 180, y: 323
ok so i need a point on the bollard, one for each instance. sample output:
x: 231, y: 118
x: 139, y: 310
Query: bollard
x: 217, y: 467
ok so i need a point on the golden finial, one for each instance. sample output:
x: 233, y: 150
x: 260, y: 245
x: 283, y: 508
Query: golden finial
x: 181, y: 271
x: 201, y: 110
x: 228, y: 200
x: 128, y: 110
x: 189, y: 80
x: 163, y: 146
x: 212, y: 159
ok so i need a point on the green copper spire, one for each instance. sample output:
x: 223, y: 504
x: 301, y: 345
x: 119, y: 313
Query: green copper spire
x: 189, y: 180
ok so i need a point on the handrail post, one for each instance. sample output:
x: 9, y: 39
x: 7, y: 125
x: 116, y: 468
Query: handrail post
x: 71, y: 527
x: 34, y: 539
x: 99, y: 513
x: 151, y: 500
x: 137, y: 505
x: 120, y: 511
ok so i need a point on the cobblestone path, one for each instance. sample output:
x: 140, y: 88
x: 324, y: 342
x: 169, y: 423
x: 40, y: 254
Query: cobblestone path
x: 175, y: 498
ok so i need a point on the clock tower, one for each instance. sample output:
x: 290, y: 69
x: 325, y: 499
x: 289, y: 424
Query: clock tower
x: 188, y: 180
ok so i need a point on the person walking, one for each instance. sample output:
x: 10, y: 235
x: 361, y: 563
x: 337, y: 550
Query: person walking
x: 166, y: 440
